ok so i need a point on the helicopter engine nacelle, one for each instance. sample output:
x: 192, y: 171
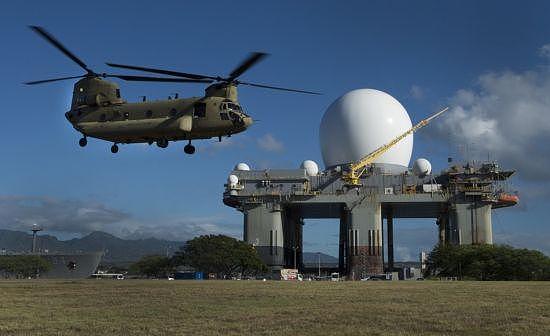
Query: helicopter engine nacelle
x: 95, y: 92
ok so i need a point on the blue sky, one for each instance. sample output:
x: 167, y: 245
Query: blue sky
x: 426, y: 54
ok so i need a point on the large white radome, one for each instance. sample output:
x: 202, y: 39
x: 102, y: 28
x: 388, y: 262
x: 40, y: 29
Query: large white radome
x: 361, y: 121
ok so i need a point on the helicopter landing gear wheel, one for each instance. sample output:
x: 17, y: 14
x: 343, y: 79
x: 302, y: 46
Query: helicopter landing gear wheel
x: 114, y: 149
x: 83, y: 142
x: 162, y: 143
x: 189, y: 148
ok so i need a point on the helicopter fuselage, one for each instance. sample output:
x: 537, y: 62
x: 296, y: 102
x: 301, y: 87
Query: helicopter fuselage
x: 164, y: 120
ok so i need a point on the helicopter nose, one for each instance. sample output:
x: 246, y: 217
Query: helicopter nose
x: 248, y: 121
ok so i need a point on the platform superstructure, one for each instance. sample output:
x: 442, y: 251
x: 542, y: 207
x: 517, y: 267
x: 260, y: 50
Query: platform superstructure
x: 275, y: 204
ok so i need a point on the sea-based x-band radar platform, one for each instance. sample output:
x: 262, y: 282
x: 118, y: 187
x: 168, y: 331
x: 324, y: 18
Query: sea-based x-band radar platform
x: 366, y: 142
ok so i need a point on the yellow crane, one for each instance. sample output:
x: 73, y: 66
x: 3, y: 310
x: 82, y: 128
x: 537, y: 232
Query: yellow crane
x: 356, y: 169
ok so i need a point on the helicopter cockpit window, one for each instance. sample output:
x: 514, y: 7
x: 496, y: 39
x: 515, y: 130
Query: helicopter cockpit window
x: 224, y: 116
x: 234, y: 116
x: 199, y: 110
x: 233, y: 107
x: 81, y: 99
x: 118, y: 93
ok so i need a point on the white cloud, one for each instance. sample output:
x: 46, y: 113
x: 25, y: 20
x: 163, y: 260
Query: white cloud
x: 56, y: 215
x: 416, y: 92
x: 269, y: 143
x: 403, y: 253
x: 545, y: 51
x: 76, y: 217
x: 180, y: 229
x: 507, y: 116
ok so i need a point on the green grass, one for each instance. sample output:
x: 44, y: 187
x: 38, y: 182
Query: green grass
x: 161, y: 307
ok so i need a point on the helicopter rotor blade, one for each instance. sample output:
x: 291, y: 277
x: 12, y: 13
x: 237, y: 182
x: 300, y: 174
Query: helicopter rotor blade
x: 243, y: 67
x: 48, y: 37
x: 252, y: 59
x: 159, y: 79
x: 162, y: 72
x: 52, y: 80
x: 279, y: 88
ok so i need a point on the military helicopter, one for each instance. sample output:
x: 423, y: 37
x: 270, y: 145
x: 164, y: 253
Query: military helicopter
x: 98, y: 110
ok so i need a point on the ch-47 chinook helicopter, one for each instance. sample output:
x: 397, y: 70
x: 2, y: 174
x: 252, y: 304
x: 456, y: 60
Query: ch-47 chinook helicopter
x: 98, y: 111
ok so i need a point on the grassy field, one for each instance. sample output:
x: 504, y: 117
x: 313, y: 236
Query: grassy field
x: 161, y: 307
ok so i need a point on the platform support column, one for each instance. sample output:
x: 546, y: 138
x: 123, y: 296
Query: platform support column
x: 293, y: 243
x: 343, y: 241
x: 365, y: 241
x: 472, y: 222
x: 389, y: 222
x: 442, y: 226
x: 263, y: 229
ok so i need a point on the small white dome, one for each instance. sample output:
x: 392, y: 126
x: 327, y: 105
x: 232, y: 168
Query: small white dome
x: 242, y: 166
x: 422, y: 167
x: 232, y: 180
x: 311, y: 167
x: 361, y: 121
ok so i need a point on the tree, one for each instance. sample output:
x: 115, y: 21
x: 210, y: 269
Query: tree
x: 219, y: 254
x: 23, y: 266
x: 487, y: 262
x: 152, y: 266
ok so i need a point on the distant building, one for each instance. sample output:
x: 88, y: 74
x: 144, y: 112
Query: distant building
x: 423, y: 261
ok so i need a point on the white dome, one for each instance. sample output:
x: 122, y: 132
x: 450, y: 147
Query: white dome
x: 361, y: 121
x: 232, y: 180
x: 242, y: 166
x: 422, y: 167
x: 311, y: 167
